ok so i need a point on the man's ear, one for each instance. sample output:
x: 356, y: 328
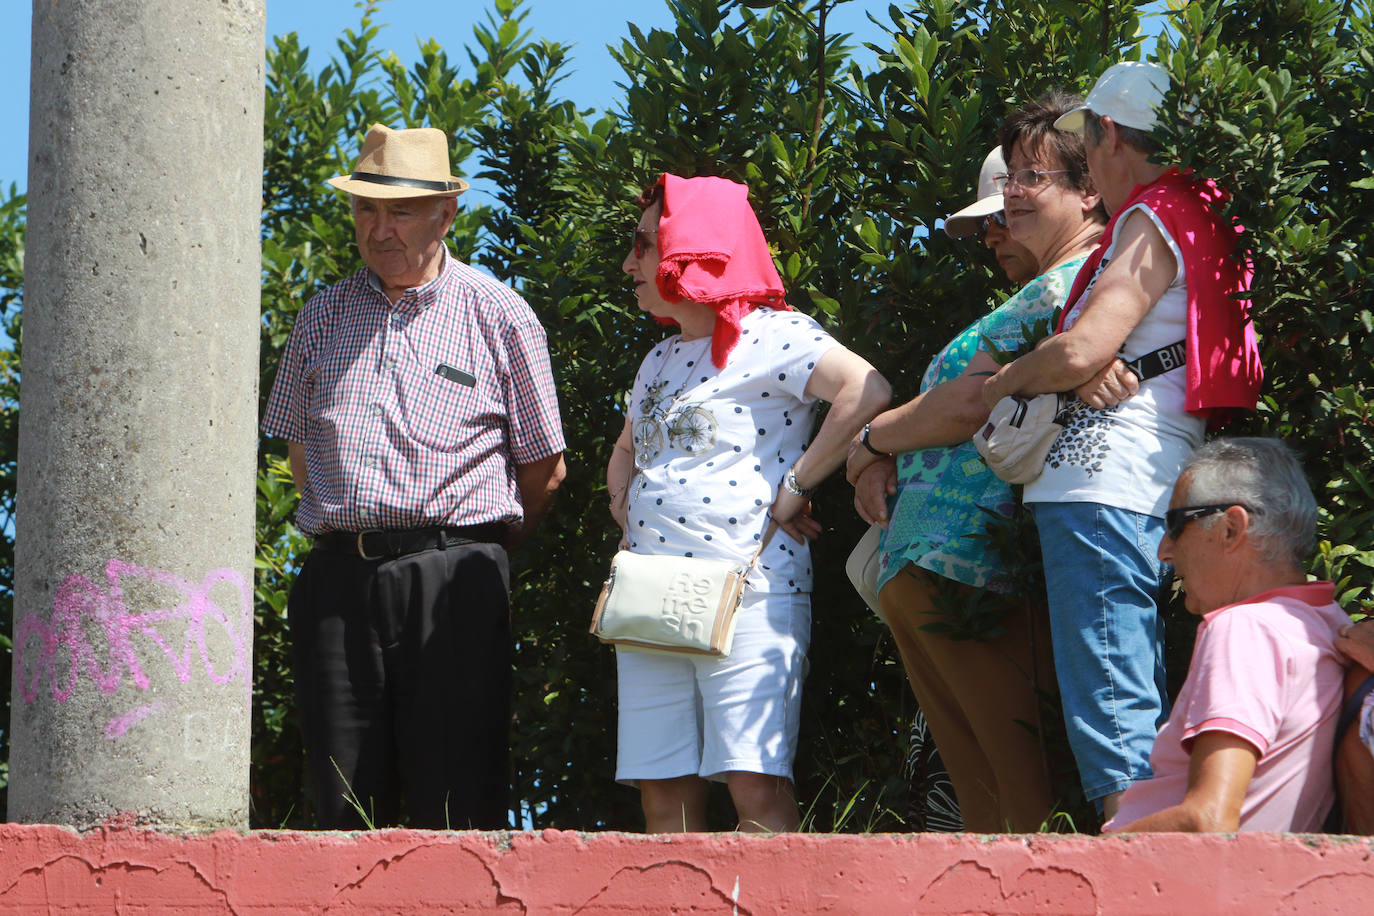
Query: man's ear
x: 1111, y: 134
x: 1237, y: 521
x: 448, y: 212
x: 1090, y: 198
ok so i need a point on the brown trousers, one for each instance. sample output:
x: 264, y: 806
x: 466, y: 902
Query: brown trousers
x: 980, y: 699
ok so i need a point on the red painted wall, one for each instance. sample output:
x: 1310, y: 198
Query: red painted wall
x: 50, y: 869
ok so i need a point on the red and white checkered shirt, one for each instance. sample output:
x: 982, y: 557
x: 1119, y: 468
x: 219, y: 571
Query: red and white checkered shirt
x: 417, y: 413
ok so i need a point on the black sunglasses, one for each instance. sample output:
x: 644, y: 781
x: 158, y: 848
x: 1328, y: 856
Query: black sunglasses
x: 1175, y: 520
x: 999, y: 218
x: 644, y: 240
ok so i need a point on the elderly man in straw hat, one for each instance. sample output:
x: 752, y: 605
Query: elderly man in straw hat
x: 425, y: 440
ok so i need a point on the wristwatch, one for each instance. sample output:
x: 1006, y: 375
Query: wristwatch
x: 863, y: 438
x: 789, y: 483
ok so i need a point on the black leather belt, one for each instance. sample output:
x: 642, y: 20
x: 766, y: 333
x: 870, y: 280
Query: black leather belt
x: 375, y: 544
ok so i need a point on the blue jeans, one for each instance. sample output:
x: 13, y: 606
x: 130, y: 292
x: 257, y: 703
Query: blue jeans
x: 1103, y: 576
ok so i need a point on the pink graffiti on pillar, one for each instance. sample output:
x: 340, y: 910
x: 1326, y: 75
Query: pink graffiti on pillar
x: 117, y: 726
x: 80, y: 603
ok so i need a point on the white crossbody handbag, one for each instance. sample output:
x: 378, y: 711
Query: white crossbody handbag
x: 672, y: 605
x: 1021, y: 431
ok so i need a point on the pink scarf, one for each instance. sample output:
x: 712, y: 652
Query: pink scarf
x: 1223, y: 363
x: 711, y: 250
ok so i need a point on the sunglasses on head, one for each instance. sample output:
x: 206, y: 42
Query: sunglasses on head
x: 644, y: 241
x: 998, y: 219
x: 1175, y: 520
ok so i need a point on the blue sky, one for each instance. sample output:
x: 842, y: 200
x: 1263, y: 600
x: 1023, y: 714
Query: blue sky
x: 589, y: 25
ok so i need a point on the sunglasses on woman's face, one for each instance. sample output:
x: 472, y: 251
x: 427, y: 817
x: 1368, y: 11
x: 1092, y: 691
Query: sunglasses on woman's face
x: 644, y: 240
x: 998, y: 219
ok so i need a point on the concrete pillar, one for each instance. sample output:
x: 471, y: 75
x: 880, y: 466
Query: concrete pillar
x: 137, y: 451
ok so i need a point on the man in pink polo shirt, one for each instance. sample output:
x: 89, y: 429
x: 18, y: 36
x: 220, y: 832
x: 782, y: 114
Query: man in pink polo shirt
x: 1248, y: 745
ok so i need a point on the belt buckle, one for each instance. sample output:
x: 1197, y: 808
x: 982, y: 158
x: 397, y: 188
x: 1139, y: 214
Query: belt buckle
x: 363, y: 553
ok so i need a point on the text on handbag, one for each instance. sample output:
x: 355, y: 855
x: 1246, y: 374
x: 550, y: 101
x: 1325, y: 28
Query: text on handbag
x: 684, y: 604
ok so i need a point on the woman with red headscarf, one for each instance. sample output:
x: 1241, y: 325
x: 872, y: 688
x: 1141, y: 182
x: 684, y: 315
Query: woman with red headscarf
x: 717, y: 445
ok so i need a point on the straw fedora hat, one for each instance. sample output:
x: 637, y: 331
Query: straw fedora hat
x: 402, y: 163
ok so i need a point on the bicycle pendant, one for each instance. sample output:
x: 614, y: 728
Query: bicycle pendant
x: 691, y: 429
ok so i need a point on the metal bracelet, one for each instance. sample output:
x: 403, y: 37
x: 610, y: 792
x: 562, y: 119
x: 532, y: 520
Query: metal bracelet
x: 789, y: 483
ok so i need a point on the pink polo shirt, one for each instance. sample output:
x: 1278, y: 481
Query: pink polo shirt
x: 1265, y: 670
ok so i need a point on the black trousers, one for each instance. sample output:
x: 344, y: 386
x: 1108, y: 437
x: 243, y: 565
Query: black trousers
x: 403, y: 681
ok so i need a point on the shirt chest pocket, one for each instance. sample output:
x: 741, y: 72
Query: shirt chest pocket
x: 442, y: 404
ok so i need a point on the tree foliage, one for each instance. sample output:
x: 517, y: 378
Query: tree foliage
x: 1272, y: 102
x: 851, y: 167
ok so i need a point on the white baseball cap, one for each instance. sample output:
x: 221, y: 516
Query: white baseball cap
x: 1128, y: 93
x: 967, y: 221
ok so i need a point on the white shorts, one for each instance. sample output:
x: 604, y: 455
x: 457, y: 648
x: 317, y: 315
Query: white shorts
x: 682, y: 715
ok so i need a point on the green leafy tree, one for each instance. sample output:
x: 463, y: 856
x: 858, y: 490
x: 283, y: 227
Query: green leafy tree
x: 1272, y: 102
x: 11, y: 300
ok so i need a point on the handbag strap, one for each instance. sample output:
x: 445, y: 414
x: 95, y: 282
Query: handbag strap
x: 1158, y: 362
x: 767, y: 536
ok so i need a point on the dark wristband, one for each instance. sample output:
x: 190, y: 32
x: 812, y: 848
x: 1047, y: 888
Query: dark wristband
x: 863, y: 438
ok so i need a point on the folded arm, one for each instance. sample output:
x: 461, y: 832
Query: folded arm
x: 876, y: 483
x: 947, y: 414
x: 1141, y: 270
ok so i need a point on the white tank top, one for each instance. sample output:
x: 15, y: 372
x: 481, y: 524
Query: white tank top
x: 1129, y: 456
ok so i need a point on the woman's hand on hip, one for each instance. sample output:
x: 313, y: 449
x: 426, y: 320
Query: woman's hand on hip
x: 793, y: 515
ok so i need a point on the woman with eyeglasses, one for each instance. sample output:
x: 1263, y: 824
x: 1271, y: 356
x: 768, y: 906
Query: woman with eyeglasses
x: 1157, y: 344
x: 979, y: 696
x: 717, y: 446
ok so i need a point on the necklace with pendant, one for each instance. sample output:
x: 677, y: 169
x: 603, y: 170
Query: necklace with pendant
x: 689, y: 427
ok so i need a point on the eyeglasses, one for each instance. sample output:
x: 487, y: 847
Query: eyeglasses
x: 998, y: 219
x: 644, y: 240
x: 1175, y: 520
x: 1028, y: 179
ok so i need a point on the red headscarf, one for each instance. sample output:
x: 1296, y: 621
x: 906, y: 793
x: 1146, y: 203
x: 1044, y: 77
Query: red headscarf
x: 711, y: 250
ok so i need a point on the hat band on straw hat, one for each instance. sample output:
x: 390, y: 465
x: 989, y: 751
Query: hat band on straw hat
x: 421, y: 183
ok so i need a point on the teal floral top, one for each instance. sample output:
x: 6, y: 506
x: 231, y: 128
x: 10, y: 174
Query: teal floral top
x: 944, y: 494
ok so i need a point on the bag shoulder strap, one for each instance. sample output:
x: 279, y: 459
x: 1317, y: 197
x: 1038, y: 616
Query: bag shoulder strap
x: 767, y: 536
x: 1159, y: 361
x: 1156, y: 362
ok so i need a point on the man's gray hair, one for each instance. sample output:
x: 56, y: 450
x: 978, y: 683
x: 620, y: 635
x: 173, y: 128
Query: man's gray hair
x: 1142, y: 140
x: 1266, y: 476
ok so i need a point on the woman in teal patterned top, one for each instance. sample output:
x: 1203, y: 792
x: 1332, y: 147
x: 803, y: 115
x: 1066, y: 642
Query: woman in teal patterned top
x: 978, y: 695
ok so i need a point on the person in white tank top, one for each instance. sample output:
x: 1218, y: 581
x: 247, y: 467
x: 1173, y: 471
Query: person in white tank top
x: 1100, y: 500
